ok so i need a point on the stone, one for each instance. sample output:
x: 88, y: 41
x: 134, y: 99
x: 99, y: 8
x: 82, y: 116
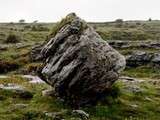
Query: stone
x: 48, y: 93
x: 17, y: 90
x: 82, y: 114
x: 35, y: 53
x: 156, y: 60
x: 140, y: 58
x: 3, y: 76
x: 120, y: 44
x: 79, y: 64
x: 133, y: 105
x: 21, y: 45
x: 3, y: 47
x: 134, y: 89
x: 148, y: 99
x: 130, y: 80
x: 19, y: 106
x: 33, y: 79
x: 56, y: 115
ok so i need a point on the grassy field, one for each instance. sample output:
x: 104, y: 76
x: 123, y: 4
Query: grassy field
x: 123, y: 103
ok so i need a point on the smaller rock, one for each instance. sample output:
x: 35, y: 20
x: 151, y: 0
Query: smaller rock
x: 49, y: 92
x: 134, y: 106
x: 156, y: 60
x: 16, y: 90
x: 33, y: 79
x: 3, y: 48
x: 18, y: 107
x: 139, y: 58
x: 148, y: 99
x: 55, y: 115
x: 11, y: 86
x: 130, y: 80
x: 127, y: 78
x: 3, y: 76
x: 75, y: 118
x: 81, y: 113
x: 21, y: 45
x: 119, y: 44
x: 134, y: 89
x: 35, y: 53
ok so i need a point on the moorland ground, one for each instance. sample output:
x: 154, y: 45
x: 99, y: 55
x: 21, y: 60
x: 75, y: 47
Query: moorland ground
x: 128, y: 100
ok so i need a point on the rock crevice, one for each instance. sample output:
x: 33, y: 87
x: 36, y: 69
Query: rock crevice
x: 80, y: 65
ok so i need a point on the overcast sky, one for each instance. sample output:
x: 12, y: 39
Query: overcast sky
x: 90, y: 10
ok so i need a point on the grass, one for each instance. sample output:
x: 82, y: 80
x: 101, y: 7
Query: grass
x: 117, y: 106
x: 35, y: 107
x: 142, y: 72
x: 120, y: 104
x: 121, y: 108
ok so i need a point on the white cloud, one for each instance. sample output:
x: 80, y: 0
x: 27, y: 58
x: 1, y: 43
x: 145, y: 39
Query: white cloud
x: 90, y: 10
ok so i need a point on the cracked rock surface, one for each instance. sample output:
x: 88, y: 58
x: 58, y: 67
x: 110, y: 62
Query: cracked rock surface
x: 80, y: 65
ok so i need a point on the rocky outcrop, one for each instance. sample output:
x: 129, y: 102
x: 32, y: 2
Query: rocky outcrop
x: 119, y: 44
x: 80, y: 65
x: 140, y: 58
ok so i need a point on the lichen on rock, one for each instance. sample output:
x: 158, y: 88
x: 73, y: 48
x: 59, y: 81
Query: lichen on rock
x: 79, y: 64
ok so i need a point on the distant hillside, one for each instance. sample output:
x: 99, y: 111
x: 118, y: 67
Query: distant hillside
x: 117, y: 30
x: 129, y: 30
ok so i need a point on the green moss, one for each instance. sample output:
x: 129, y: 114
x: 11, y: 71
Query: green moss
x: 65, y: 21
x: 62, y: 23
x: 142, y: 72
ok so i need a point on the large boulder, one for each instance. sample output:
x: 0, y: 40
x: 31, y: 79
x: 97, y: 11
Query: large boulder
x: 80, y: 65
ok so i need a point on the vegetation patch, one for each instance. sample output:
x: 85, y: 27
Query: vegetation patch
x: 12, y: 38
x: 6, y: 66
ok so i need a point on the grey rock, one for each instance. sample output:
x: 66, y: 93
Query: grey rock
x: 16, y: 90
x: 134, y: 89
x: 80, y: 65
x: 21, y: 45
x: 73, y: 118
x: 130, y: 80
x: 82, y: 114
x: 148, y: 99
x: 3, y: 76
x: 20, y: 106
x: 33, y: 79
x: 156, y: 60
x: 119, y: 44
x: 35, y: 53
x: 11, y: 86
x: 16, y: 107
x: 56, y: 115
x: 155, y: 44
x: 49, y: 92
x: 3, y: 47
x: 133, y: 106
x: 139, y: 58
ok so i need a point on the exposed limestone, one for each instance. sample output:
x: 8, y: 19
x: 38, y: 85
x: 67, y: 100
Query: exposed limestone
x: 80, y: 65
